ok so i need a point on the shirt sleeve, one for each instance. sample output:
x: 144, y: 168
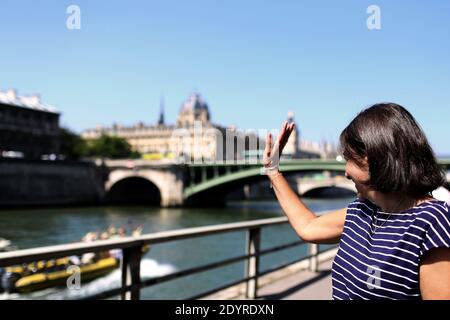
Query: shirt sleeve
x: 437, y: 230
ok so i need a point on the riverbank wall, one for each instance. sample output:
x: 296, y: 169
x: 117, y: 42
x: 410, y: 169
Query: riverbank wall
x: 27, y: 183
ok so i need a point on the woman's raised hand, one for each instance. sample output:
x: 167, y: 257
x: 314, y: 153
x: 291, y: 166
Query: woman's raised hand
x: 272, y: 152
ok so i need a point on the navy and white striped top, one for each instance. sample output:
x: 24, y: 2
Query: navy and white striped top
x: 385, y: 264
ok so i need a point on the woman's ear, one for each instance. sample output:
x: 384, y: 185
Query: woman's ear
x: 366, y: 163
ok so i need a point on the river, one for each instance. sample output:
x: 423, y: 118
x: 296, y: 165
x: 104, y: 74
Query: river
x: 29, y: 228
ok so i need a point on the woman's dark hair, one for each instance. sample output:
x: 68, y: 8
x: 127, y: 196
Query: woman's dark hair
x: 399, y: 156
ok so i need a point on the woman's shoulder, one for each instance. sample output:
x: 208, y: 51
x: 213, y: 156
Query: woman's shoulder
x: 429, y: 212
x: 432, y: 221
x: 432, y: 212
x: 362, y: 205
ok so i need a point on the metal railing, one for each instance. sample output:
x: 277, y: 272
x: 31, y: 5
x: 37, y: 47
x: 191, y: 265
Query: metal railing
x: 131, y: 282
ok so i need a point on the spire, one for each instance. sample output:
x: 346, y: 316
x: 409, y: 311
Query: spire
x: 161, y: 112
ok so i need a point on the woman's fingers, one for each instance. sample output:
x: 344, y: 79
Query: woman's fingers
x: 282, y: 133
x: 282, y: 129
x: 268, y: 143
x: 286, y: 135
x: 267, y: 150
x: 272, y: 151
x: 290, y: 129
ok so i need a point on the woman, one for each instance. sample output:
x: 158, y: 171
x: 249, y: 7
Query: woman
x: 394, y: 239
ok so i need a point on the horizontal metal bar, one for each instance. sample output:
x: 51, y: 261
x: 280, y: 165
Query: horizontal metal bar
x: 213, y: 265
x: 203, y: 231
x: 58, y: 251
x: 118, y: 291
x: 206, y: 293
x: 144, y: 284
x: 182, y: 273
x: 64, y: 250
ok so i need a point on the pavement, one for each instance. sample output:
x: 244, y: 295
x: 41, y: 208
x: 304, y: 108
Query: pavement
x: 295, y: 282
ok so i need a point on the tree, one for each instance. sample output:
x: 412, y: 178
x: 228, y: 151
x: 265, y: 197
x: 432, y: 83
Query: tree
x: 72, y: 145
x: 110, y: 147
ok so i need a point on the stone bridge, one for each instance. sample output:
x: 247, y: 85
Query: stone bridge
x: 168, y: 184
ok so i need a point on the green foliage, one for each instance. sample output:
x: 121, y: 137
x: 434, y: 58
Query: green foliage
x: 110, y: 147
x: 74, y: 146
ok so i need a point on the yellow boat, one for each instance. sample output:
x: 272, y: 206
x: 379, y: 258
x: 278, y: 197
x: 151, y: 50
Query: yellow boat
x: 51, y: 274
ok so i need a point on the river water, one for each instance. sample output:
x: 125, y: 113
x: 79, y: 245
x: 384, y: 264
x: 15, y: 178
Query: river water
x: 28, y: 228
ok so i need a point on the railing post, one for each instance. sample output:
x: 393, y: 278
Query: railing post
x: 313, y: 251
x: 252, y: 263
x: 131, y: 268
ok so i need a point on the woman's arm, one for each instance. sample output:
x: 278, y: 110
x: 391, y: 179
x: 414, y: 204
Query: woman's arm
x: 434, y: 275
x: 324, y: 229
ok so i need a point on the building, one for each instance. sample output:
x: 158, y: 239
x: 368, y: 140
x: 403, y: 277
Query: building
x: 297, y: 148
x: 193, y: 137
x: 292, y: 147
x: 28, y: 127
x: 323, y: 149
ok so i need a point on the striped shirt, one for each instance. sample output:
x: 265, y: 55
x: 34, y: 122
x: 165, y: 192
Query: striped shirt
x: 379, y: 253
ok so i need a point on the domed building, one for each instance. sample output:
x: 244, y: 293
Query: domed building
x: 193, y: 136
x: 194, y: 109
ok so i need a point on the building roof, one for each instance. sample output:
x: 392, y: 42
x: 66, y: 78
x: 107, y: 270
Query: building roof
x: 194, y: 102
x: 10, y: 97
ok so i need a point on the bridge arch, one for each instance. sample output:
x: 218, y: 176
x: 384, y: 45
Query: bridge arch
x: 133, y: 190
x: 158, y: 187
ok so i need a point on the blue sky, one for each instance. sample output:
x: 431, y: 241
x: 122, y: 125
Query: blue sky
x: 251, y: 60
